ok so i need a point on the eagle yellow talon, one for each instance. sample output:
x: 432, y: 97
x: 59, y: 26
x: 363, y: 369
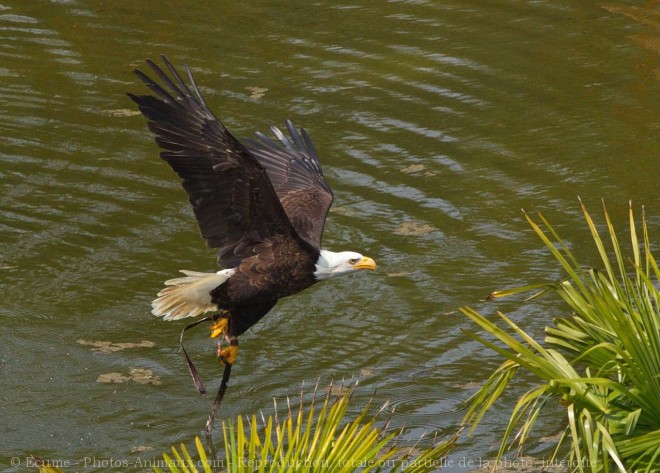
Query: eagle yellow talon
x: 228, y: 355
x: 219, y: 327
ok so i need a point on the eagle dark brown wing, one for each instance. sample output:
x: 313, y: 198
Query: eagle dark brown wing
x: 295, y: 171
x: 230, y: 192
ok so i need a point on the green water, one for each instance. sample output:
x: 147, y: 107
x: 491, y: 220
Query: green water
x: 437, y: 122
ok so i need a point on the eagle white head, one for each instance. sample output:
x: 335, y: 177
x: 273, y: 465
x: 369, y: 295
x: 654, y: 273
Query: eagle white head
x: 332, y: 264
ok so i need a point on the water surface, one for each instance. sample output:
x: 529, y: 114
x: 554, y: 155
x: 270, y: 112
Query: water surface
x: 437, y: 122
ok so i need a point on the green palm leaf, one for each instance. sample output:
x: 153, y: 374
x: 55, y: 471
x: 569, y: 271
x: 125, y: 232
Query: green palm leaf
x: 313, y: 438
x: 602, y: 361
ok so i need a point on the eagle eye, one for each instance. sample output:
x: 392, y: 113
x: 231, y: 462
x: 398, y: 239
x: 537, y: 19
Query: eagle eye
x: 353, y: 260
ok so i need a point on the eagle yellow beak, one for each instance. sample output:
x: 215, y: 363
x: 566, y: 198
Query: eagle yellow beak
x: 365, y: 263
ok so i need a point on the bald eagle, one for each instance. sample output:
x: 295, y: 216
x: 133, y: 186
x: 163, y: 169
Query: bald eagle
x: 261, y: 202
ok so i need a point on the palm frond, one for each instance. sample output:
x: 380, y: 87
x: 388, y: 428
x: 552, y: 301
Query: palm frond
x: 314, y: 437
x: 602, y: 361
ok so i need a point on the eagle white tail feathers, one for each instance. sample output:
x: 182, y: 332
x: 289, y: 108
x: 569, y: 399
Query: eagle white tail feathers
x: 188, y: 296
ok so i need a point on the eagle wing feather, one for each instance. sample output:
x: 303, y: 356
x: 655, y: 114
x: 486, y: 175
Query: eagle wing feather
x: 295, y: 172
x: 234, y: 201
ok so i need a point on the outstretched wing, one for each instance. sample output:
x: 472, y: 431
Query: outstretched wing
x: 295, y: 171
x: 230, y: 192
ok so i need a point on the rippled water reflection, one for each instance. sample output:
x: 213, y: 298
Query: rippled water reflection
x: 436, y: 121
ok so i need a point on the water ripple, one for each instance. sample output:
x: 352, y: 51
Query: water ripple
x: 435, y: 123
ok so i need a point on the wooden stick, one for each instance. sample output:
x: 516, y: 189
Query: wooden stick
x: 191, y: 367
x: 218, y: 399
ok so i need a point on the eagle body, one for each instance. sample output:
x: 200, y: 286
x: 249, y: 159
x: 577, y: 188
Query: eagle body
x: 262, y: 203
x: 279, y: 269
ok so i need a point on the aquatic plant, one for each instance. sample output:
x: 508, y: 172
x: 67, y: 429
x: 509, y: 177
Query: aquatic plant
x: 601, y: 362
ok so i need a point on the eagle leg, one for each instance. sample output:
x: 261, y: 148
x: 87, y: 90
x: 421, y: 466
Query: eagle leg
x: 219, y: 327
x: 228, y: 355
